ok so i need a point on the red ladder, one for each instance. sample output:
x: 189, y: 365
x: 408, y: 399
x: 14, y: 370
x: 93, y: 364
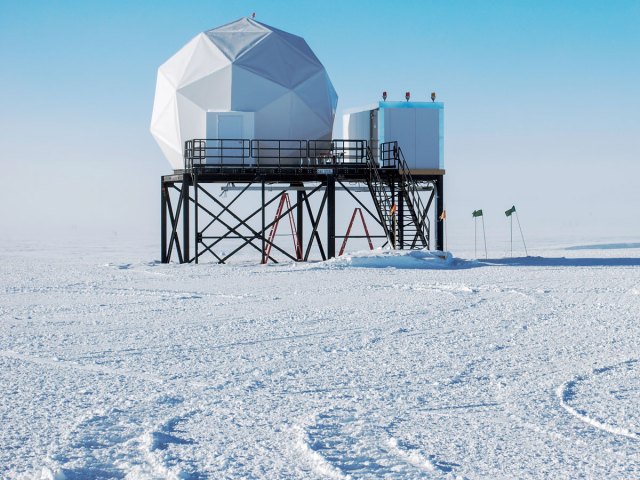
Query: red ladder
x: 364, y: 224
x: 284, y: 199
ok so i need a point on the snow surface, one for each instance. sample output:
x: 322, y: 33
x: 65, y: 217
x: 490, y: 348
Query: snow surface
x: 374, y: 365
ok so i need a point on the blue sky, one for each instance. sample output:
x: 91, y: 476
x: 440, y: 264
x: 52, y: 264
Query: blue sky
x: 542, y: 104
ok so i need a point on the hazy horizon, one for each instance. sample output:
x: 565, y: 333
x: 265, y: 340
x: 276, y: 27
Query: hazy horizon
x: 541, y: 106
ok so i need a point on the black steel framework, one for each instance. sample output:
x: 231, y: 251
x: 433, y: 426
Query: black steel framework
x: 313, y: 169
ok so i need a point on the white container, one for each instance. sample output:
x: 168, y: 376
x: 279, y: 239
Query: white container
x: 418, y: 127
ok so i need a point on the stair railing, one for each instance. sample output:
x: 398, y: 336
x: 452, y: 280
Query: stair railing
x: 416, y: 207
x: 381, y: 198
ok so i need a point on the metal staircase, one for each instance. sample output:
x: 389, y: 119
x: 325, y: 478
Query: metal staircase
x: 416, y: 230
x: 413, y: 230
x: 382, y: 199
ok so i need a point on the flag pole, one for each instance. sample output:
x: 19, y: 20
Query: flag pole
x: 523, y: 242
x: 484, y: 234
x: 511, y: 218
x: 475, y: 237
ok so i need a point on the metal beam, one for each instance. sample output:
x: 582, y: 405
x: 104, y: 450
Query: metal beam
x: 230, y: 229
x: 264, y: 240
x: 346, y: 189
x: 401, y: 219
x: 163, y: 223
x: 314, y: 224
x: 174, y: 226
x: 195, y: 214
x: 273, y: 187
x: 439, y: 210
x: 186, y: 232
x: 256, y: 234
x: 331, y: 216
x: 300, y: 218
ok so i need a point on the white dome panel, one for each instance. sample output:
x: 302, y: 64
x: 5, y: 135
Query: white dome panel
x: 237, y: 37
x: 246, y: 96
x: 266, y: 128
x: 276, y: 60
x: 206, y: 59
x: 200, y: 91
x: 193, y: 119
x: 317, y: 92
x: 173, y: 69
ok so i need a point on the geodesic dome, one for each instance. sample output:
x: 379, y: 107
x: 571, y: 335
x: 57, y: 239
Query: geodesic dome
x: 272, y: 78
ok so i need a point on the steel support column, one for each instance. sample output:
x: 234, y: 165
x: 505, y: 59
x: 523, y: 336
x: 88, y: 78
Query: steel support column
x: 394, y: 216
x: 300, y: 217
x: 185, y: 218
x: 400, y: 243
x: 163, y: 222
x: 439, y: 209
x: 195, y: 220
x: 264, y: 221
x: 331, y: 216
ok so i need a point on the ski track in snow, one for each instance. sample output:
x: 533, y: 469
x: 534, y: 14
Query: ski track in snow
x: 349, y: 369
x: 566, y: 392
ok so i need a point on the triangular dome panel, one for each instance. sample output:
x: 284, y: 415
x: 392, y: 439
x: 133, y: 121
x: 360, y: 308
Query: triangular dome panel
x: 165, y: 94
x: 251, y: 92
x: 277, y: 61
x: 212, y: 92
x: 310, y: 125
x: 237, y: 37
x: 316, y: 94
x: 205, y: 60
x: 193, y: 119
x: 298, y: 43
x: 165, y: 126
x: 266, y: 127
x: 174, y: 68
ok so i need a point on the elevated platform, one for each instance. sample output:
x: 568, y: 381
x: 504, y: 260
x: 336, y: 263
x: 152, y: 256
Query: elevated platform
x: 306, y: 167
x: 228, y: 173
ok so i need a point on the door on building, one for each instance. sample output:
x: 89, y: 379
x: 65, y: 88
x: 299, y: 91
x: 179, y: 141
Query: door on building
x: 373, y: 134
x: 230, y: 133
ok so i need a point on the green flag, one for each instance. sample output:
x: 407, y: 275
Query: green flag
x: 510, y: 212
x: 477, y: 213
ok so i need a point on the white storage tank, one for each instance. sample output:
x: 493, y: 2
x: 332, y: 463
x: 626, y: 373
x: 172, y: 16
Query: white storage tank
x: 418, y: 127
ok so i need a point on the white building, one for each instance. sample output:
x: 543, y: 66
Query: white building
x: 244, y: 80
x: 418, y: 127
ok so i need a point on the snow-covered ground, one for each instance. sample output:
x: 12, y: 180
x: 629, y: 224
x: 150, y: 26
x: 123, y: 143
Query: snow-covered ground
x: 384, y: 366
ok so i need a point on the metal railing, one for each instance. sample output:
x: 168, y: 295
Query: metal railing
x: 268, y: 151
x: 389, y: 155
x: 200, y: 152
x: 383, y: 202
x: 244, y: 153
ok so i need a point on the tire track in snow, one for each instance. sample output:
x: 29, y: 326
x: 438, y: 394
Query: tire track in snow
x: 119, y: 443
x: 318, y: 463
x: 153, y: 445
x: 566, y: 392
x: 411, y: 456
x: 341, y: 444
